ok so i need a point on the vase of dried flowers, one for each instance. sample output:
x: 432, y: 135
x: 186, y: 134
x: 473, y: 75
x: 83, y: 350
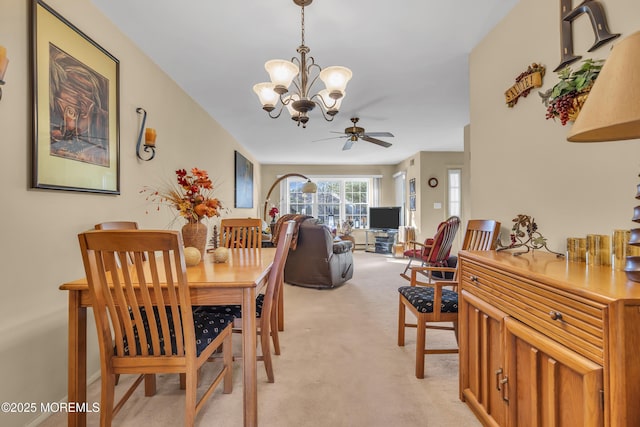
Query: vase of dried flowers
x: 192, y: 197
x: 194, y: 234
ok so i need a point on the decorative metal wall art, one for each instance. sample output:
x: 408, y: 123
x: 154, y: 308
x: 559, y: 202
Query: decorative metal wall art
x: 525, y: 234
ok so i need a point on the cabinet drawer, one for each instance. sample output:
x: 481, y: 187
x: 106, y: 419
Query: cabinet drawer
x: 572, y: 320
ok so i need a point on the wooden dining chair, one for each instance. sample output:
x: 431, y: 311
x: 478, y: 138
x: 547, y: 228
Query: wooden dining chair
x: 434, y: 251
x: 432, y: 301
x: 265, y: 302
x: 144, y: 317
x: 241, y: 232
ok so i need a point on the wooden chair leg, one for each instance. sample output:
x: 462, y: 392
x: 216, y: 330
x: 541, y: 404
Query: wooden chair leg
x: 266, y: 355
x: 455, y: 330
x: 401, y: 323
x: 149, y: 385
x: 183, y: 381
x: 274, y: 334
x: 190, y: 398
x: 280, y: 311
x: 227, y: 357
x: 420, y: 348
x: 107, y: 399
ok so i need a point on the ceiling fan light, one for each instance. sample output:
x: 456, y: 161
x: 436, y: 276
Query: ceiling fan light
x: 335, y: 79
x: 281, y: 73
x: 268, y: 97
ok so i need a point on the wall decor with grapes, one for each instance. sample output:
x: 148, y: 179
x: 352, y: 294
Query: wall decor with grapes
x: 566, y: 98
x: 525, y: 82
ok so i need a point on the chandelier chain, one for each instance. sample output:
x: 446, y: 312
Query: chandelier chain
x: 302, y: 22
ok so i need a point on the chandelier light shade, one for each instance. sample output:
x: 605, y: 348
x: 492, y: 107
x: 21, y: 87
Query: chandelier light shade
x: 292, y: 82
x: 612, y: 113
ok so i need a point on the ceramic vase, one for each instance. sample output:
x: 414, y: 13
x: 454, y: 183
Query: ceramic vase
x: 194, y: 234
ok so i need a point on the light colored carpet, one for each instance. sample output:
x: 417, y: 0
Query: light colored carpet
x: 340, y: 366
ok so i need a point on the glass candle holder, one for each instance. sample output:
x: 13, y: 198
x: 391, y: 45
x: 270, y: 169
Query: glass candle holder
x: 577, y: 249
x: 598, y: 249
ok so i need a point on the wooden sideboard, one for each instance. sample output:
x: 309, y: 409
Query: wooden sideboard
x: 547, y: 342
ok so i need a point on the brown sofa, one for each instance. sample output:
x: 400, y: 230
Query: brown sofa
x: 318, y: 261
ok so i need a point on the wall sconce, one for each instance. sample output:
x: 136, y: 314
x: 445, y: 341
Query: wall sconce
x: 4, y: 63
x: 149, y: 138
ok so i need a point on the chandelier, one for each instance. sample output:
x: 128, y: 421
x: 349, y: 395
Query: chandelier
x: 303, y: 73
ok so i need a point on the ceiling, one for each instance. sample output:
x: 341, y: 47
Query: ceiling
x: 409, y: 63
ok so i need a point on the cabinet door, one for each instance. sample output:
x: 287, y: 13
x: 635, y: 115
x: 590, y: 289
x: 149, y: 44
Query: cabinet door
x: 481, y: 358
x: 548, y: 384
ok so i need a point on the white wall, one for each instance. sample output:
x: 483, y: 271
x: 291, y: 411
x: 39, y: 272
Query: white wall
x: 522, y: 163
x: 39, y: 249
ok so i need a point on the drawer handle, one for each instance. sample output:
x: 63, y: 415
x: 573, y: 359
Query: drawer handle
x: 474, y: 279
x: 555, y: 315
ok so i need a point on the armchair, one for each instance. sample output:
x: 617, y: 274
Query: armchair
x: 318, y: 261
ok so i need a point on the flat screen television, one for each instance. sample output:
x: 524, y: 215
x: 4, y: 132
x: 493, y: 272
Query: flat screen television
x: 384, y: 218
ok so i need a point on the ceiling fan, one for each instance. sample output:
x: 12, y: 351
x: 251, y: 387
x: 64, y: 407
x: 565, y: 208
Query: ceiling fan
x: 355, y: 133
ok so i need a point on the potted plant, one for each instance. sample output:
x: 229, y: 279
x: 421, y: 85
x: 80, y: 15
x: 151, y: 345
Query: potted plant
x: 566, y: 98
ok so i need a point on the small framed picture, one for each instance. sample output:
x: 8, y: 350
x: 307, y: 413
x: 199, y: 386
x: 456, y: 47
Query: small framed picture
x: 412, y: 202
x: 412, y: 186
x: 243, y: 182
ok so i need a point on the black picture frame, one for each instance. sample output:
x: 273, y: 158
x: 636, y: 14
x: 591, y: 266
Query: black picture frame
x: 76, y: 113
x: 412, y: 186
x: 243, y: 187
x: 412, y: 202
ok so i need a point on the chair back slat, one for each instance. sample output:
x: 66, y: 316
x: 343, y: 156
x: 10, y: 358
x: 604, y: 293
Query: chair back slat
x: 241, y: 232
x: 481, y: 235
x: 123, y: 296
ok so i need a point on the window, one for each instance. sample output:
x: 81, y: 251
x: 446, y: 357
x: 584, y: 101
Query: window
x: 337, y: 200
x: 454, y: 191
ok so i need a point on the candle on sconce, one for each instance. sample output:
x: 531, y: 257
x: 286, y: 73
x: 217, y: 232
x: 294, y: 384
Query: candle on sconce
x: 4, y: 61
x: 150, y: 137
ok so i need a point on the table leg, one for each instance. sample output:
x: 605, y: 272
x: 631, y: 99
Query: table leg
x: 249, y: 357
x: 77, y: 358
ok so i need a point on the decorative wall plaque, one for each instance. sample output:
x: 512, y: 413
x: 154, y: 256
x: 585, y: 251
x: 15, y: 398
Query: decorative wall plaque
x: 527, y: 80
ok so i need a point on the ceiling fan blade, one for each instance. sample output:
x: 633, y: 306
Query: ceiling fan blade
x: 387, y: 134
x: 347, y: 145
x: 376, y: 141
x: 325, y: 139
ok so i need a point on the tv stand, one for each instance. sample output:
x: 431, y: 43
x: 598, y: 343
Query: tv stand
x: 382, y: 241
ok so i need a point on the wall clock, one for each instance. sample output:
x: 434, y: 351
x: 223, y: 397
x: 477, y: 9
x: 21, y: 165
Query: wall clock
x: 433, y: 182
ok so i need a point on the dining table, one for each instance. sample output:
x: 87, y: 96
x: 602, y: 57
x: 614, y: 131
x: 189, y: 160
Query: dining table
x: 235, y: 281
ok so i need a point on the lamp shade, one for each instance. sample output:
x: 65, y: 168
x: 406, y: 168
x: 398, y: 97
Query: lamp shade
x: 330, y: 103
x: 289, y: 103
x: 309, y: 187
x: 281, y: 72
x: 612, y: 109
x: 268, y: 97
x: 335, y: 79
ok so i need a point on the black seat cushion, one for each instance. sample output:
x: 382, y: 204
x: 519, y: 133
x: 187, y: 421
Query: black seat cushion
x: 234, y: 310
x: 421, y: 297
x: 207, y: 326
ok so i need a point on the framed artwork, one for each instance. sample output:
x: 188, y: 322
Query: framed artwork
x: 412, y: 186
x: 243, y: 182
x: 76, y: 135
x: 412, y: 202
